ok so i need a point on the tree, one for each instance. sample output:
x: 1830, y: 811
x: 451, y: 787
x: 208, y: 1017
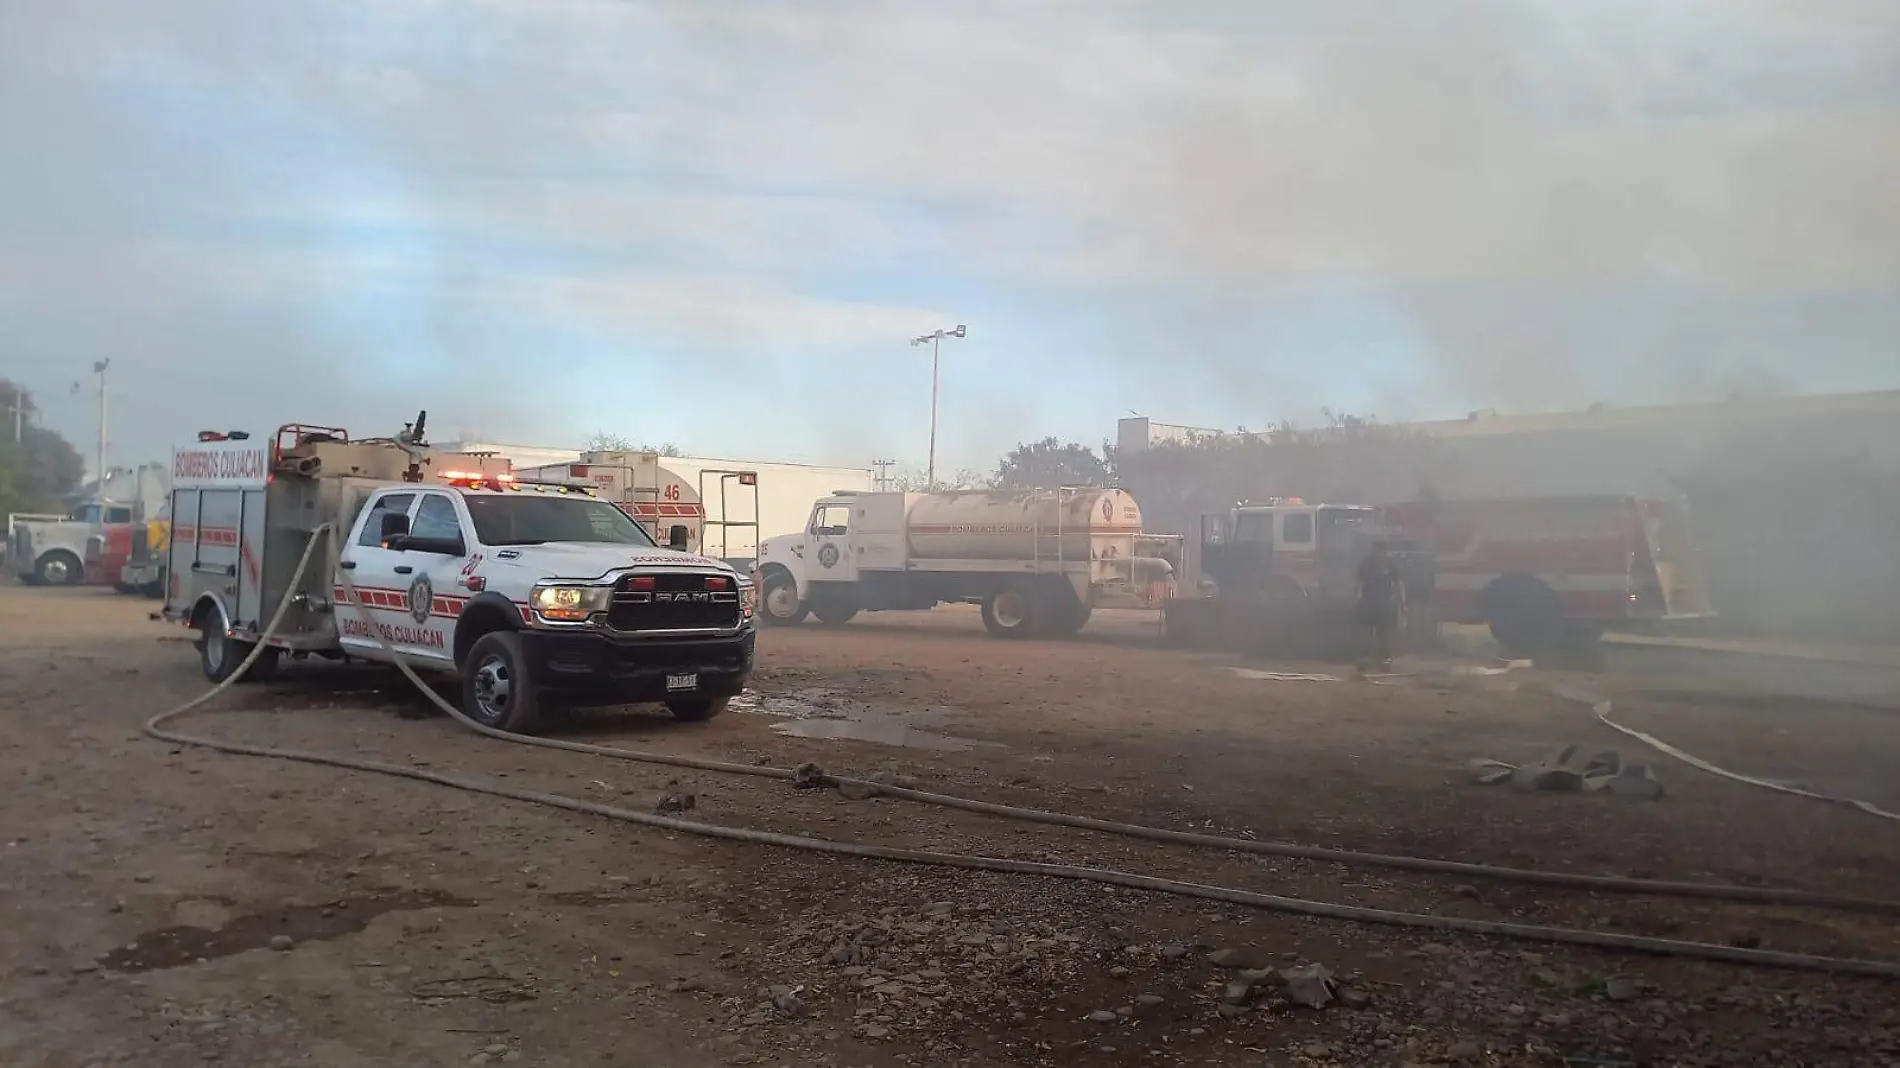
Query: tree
x: 1350, y: 460
x: 1048, y: 464
x: 41, y: 469
x: 913, y: 480
x: 605, y: 442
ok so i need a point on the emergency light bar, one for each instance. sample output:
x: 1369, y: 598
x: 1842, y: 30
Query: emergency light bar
x: 473, y: 476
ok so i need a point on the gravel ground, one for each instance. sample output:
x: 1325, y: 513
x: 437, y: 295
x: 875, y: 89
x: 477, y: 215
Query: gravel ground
x: 179, y: 907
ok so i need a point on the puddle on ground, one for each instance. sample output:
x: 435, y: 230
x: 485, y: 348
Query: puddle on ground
x: 170, y: 947
x: 819, y: 712
x: 879, y: 731
x: 814, y: 702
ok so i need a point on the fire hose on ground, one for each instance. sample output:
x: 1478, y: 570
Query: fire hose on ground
x: 156, y: 728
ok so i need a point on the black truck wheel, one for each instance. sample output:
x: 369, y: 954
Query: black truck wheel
x: 59, y: 568
x: 835, y: 612
x: 1013, y: 610
x: 1525, y: 616
x: 219, y: 654
x: 497, y: 690
x: 779, y: 605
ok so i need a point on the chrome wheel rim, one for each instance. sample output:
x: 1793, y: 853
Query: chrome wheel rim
x: 493, y: 685
x: 1008, y: 610
x: 782, y: 601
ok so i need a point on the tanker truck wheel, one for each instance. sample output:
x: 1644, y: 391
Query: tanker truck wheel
x: 778, y: 601
x: 1011, y: 611
x: 835, y: 613
x: 1064, y: 613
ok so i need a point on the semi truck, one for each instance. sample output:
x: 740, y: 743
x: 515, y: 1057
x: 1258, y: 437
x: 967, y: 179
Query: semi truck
x: 1039, y: 562
x: 1280, y: 577
x: 52, y: 550
x: 533, y: 596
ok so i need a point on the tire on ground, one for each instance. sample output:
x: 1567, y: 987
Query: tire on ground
x: 1063, y: 613
x: 833, y: 613
x: 1013, y: 610
x: 779, y: 583
x: 220, y: 655
x: 1525, y: 616
x: 59, y: 568
x: 497, y: 690
x: 697, y: 709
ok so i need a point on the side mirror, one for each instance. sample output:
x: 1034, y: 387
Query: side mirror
x: 395, y: 525
x: 434, y: 546
x: 676, y: 537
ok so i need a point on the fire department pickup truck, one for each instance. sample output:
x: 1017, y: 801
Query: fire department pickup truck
x: 532, y: 594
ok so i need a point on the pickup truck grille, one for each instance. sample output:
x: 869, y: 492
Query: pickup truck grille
x: 690, y: 601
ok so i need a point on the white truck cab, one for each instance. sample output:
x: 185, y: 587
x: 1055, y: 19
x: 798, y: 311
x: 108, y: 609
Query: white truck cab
x: 530, y: 593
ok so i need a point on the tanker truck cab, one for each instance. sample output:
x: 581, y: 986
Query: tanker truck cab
x: 535, y: 593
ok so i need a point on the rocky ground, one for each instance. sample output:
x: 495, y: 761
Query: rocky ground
x: 170, y: 906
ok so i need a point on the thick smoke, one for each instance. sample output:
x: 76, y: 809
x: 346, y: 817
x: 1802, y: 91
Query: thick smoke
x: 1218, y: 212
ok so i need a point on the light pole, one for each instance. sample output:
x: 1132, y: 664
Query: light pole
x: 99, y: 368
x: 936, y: 342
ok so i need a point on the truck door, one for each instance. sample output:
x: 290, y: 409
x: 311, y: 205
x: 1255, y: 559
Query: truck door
x: 372, y: 569
x: 829, y: 553
x: 428, y: 568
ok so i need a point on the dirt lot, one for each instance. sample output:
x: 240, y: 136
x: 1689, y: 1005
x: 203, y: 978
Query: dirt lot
x: 178, y: 907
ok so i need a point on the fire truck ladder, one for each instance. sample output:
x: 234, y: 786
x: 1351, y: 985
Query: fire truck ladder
x: 747, y: 480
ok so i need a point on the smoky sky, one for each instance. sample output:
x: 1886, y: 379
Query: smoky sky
x: 1215, y: 212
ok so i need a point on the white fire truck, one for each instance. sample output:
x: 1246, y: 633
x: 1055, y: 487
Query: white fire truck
x: 531, y: 594
x: 1039, y: 561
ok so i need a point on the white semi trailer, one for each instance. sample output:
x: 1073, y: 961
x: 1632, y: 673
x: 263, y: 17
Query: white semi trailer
x: 1039, y: 562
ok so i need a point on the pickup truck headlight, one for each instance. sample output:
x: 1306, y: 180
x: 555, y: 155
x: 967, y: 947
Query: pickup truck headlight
x: 748, y: 599
x: 569, y: 604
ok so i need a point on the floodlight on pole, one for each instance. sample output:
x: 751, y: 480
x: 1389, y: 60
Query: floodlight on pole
x: 935, y: 338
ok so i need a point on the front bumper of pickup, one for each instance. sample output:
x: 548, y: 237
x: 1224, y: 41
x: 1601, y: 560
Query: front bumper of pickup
x: 591, y: 668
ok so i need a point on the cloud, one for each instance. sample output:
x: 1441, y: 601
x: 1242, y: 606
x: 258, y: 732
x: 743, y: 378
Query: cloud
x: 1533, y: 202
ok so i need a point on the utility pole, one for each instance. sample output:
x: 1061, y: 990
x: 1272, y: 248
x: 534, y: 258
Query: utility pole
x: 882, y: 480
x: 99, y: 368
x: 19, y: 410
x: 936, y: 343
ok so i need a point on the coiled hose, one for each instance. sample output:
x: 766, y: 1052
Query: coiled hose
x: 156, y: 728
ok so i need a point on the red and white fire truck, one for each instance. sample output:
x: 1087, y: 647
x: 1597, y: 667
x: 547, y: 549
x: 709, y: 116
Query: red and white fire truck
x: 1557, y: 571
x: 529, y: 593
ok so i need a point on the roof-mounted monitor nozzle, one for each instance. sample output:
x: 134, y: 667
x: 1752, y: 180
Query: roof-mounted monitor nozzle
x: 412, y: 441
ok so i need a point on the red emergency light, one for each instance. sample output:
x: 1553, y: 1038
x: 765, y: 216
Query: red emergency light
x: 577, y: 470
x: 717, y: 582
x: 640, y: 582
x: 748, y: 478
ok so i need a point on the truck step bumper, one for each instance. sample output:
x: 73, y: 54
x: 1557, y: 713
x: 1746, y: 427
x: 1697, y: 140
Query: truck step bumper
x: 592, y: 669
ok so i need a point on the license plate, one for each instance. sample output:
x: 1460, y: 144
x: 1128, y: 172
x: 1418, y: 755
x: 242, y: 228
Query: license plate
x: 682, y: 682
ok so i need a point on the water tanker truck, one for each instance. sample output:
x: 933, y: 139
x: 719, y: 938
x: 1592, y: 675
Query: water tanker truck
x: 1037, y: 561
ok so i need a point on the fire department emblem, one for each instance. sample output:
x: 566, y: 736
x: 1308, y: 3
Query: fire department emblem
x: 828, y: 555
x: 421, y: 599
x: 1108, y: 509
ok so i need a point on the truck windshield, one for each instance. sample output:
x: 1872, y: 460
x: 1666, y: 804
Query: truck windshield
x: 532, y: 520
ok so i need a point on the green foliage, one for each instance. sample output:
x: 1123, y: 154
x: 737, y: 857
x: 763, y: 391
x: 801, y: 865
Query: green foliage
x: 38, y: 471
x: 605, y: 442
x: 1049, y: 463
x: 1349, y: 460
x: 915, y: 481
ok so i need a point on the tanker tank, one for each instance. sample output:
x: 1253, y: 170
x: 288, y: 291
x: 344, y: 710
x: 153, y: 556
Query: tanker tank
x: 1022, y: 525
